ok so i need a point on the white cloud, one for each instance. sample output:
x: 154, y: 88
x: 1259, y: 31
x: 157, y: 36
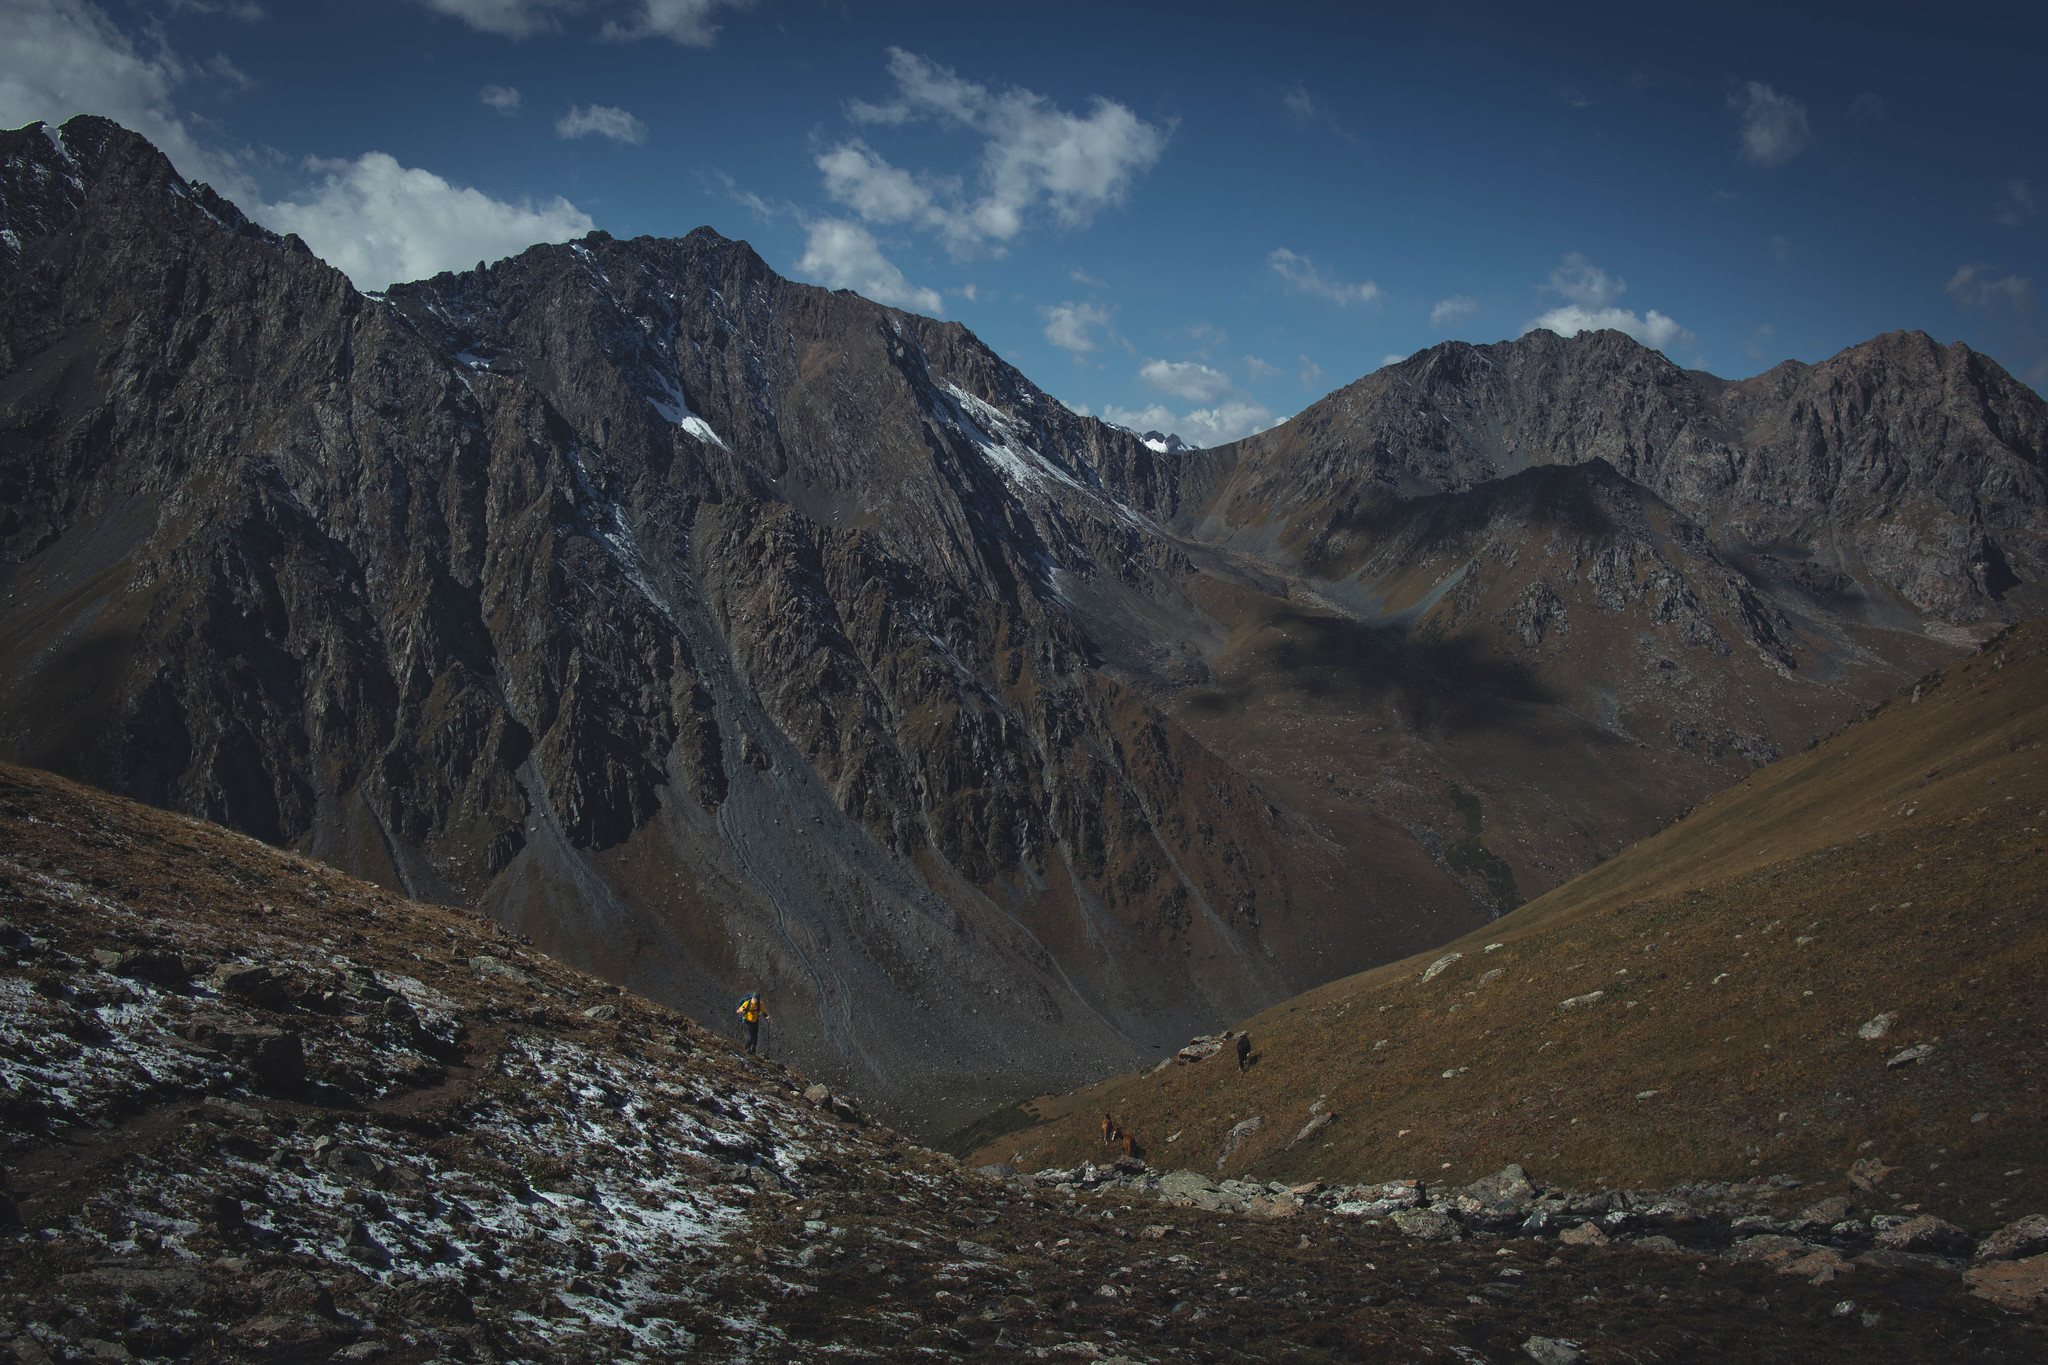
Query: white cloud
x: 1301, y: 273
x: 1591, y: 292
x: 1258, y: 369
x: 380, y: 222
x: 1977, y: 286
x: 2016, y: 207
x: 1653, y: 329
x: 1067, y: 326
x: 1580, y: 281
x: 1080, y: 276
x: 1759, y: 341
x: 1573, y: 96
x: 1311, y: 373
x: 1453, y: 310
x: 1035, y: 157
x: 1773, y: 127
x: 843, y: 255
x: 506, y: 18
x: 1201, y: 427
x: 604, y: 120
x: 1300, y: 103
x: 503, y: 98
x: 685, y: 22
x: 65, y: 57
x: 1391, y: 358
x: 1186, y: 379
x: 232, y: 9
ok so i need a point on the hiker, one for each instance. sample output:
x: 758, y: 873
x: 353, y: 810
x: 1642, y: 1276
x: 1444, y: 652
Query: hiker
x: 1108, y: 1130
x: 751, y: 1014
x: 1244, y: 1050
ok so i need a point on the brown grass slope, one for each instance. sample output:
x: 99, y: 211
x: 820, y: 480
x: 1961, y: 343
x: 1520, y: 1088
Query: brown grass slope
x: 1896, y: 868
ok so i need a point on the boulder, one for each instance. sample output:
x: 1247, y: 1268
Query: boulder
x: 1584, y: 1235
x: 2020, y: 1285
x: 1826, y: 1213
x: 249, y: 982
x: 1927, y: 1235
x: 1000, y: 1170
x: 1820, y: 1266
x: 1551, y: 1351
x: 2021, y: 1238
x: 1427, y: 1225
x: 1868, y: 1173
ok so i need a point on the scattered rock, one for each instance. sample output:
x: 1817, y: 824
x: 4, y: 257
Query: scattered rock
x: 1310, y: 1128
x: 2023, y: 1237
x: 1826, y: 1213
x: 1236, y: 1136
x: 2021, y: 1285
x: 1821, y: 1266
x: 1878, y: 1027
x: 601, y: 1012
x: 977, y: 1251
x: 1576, y: 1001
x: 1430, y: 972
x: 1927, y: 1234
x: 1427, y: 1225
x: 1912, y: 1054
x: 1868, y: 1173
x: 1584, y: 1235
x: 1000, y: 1170
x: 1552, y: 1351
x: 251, y: 983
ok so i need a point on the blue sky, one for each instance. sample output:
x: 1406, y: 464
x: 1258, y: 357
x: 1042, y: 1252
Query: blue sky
x: 1199, y: 217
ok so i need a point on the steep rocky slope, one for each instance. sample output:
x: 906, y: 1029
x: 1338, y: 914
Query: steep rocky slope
x: 718, y: 631
x: 255, y: 1110
x: 706, y: 626
x: 1829, y: 971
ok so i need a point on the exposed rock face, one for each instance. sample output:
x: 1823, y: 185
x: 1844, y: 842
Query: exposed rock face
x: 707, y: 626
x: 725, y: 632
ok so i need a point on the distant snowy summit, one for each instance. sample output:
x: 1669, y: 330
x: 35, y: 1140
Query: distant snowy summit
x: 1164, y: 445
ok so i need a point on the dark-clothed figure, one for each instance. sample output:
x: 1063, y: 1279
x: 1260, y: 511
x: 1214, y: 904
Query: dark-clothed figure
x: 1244, y: 1051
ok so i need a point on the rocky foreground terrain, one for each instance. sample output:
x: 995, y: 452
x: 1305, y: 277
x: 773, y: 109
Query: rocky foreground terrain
x: 717, y: 631
x: 254, y: 1110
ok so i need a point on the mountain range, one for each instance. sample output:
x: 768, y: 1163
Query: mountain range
x: 720, y: 631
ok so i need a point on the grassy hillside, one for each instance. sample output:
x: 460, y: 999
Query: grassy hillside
x: 1696, y: 1007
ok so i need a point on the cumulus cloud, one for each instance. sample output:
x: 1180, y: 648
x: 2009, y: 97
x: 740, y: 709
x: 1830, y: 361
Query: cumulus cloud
x: 1259, y: 369
x: 1035, y: 158
x: 503, y: 98
x: 1653, y: 329
x: 1311, y: 373
x: 1302, y: 274
x: 1590, y: 293
x: 65, y: 57
x: 1772, y: 128
x: 1580, y: 281
x: 1195, y: 382
x: 1980, y: 286
x: 506, y: 18
x: 231, y: 9
x: 603, y: 120
x: 381, y: 222
x: 1199, y: 427
x: 685, y: 22
x: 1453, y: 310
x: 1068, y: 326
x: 843, y: 255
